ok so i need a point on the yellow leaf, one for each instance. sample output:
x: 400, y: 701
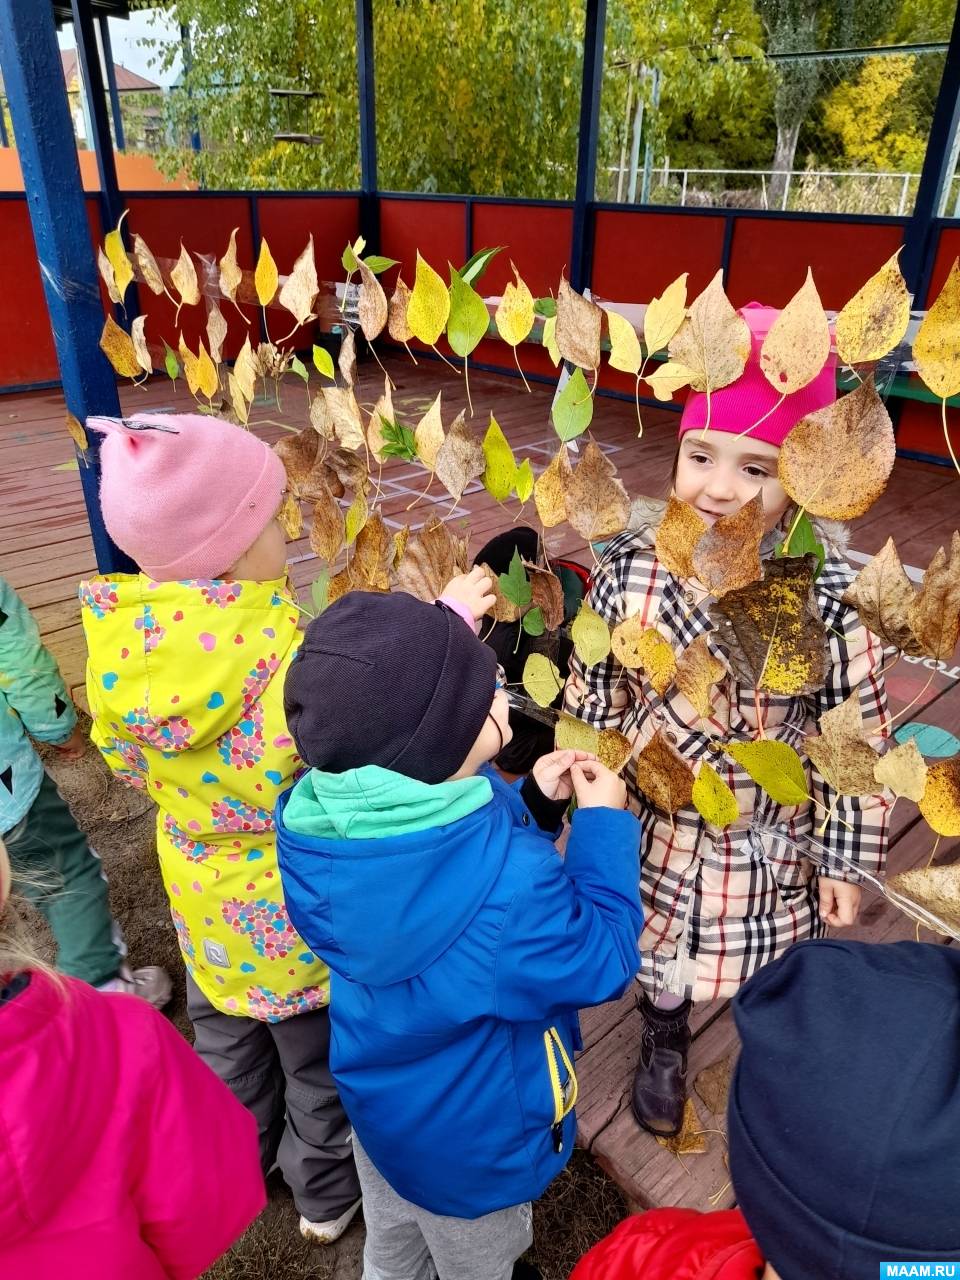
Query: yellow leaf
x: 290, y: 518
x: 345, y: 416
x: 573, y: 734
x: 373, y: 560
x: 697, y: 672
x: 372, y: 308
x: 591, y: 636
x: 184, y: 279
x: 940, y: 804
x: 541, y: 679
x: 207, y: 380
x: 515, y: 314
x: 357, y: 515
x: 190, y: 366
x: 663, y: 775
x: 230, y: 273
x: 397, y: 325
x: 775, y: 767
x: 937, y: 889
x: 428, y: 436
x: 875, y: 319
x: 245, y: 370
x: 625, y: 351
x: 677, y: 535
x: 598, y: 505
x: 936, y: 348
x: 300, y: 289
x: 117, y: 345
x: 523, y: 485
x: 429, y: 304
x: 327, y: 529
x: 238, y: 400
x: 149, y: 267
x: 614, y: 749
x: 903, y: 771
x: 117, y: 257
x: 664, y: 316
x: 635, y: 646
x: 77, y: 433
x: 714, y: 340
x: 216, y: 333
x: 501, y: 469
x: 106, y: 274
x: 713, y: 799
x: 798, y: 343
x: 690, y: 1141
x: 266, y: 277
x: 667, y: 379
x: 550, y: 490
x: 139, y: 340
x: 578, y: 327
x: 550, y: 339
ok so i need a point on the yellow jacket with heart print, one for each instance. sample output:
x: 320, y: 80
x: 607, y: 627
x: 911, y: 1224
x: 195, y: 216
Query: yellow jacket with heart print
x: 185, y: 684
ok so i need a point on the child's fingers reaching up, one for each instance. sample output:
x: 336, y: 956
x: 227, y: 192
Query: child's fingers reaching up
x: 597, y: 787
x: 552, y: 772
x: 839, y: 902
x: 473, y: 589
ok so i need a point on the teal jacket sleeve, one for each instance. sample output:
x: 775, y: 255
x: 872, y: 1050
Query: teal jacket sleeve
x: 29, y: 677
x: 569, y: 936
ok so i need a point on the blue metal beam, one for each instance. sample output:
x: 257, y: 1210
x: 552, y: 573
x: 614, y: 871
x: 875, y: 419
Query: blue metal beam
x: 93, y: 86
x: 32, y: 72
x: 366, y: 84
x: 115, y: 110
x: 581, y: 251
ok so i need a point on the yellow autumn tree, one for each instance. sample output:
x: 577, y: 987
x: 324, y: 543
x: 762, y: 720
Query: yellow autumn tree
x: 875, y: 118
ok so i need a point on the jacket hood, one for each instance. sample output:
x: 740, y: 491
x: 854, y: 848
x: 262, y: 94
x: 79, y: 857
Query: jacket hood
x: 381, y: 872
x: 218, y: 629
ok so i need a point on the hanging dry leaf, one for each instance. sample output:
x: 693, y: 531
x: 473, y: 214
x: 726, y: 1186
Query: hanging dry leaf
x: 266, y: 277
x: 373, y: 559
x: 298, y: 453
x: 500, y: 472
x: 547, y: 595
x: 216, y: 333
x: 382, y: 412
x: 271, y: 361
x: 76, y: 432
x: 772, y: 631
x: 573, y: 734
x: 105, y: 268
x: 515, y: 315
x: 340, y: 585
x: 664, y: 316
x: 798, y: 342
x: 328, y: 529
x: 541, y: 679
x: 397, y: 325
x: 664, y: 776
x: 400, y: 544
x: 678, y: 534
x: 875, y: 319
x: 924, y: 623
x: 290, y: 518
x: 698, y: 670
x: 637, y: 647
x: 840, y: 752
x: 614, y: 749
x: 231, y: 275
x: 935, y: 615
x: 428, y: 306
x: 903, y: 771
x: 836, y: 461
x: 936, y: 348
x: 598, y: 505
x: 940, y: 804
x: 149, y: 267
x: 238, y: 401
x: 138, y: 337
x: 350, y: 469
x: 713, y: 1085
x: 372, y: 307
x: 117, y: 345
x: 245, y: 369
x: 460, y: 459
x: 320, y: 418
x: 713, y: 799
x: 937, y: 889
x: 183, y: 277
x: 207, y: 380
x: 727, y: 556
x: 625, y: 350
x: 428, y: 436
x: 300, y: 289
x: 345, y: 416
x: 714, y: 341
x: 667, y: 379
x: 117, y: 256
x: 503, y: 610
x: 549, y: 339
x: 550, y: 490
x: 432, y: 557
x: 347, y: 359
x: 190, y: 366
x: 577, y: 332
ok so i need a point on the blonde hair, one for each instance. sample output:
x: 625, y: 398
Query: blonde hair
x: 17, y: 952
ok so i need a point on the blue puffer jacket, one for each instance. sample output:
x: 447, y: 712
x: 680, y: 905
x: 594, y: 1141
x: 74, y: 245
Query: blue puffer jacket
x: 460, y: 952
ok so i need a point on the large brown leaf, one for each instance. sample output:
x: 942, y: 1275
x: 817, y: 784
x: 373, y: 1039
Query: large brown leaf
x: 579, y: 322
x: 373, y: 558
x: 836, y: 462
x: 503, y: 610
x: 550, y: 490
x: 727, y: 556
x: 714, y: 341
x: 598, y: 505
x: 841, y: 753
x: 460, y: 458
x: 937, y: 889
x: 935, y: 616
x: 547, y: 593
x: 372, y: 308
x: 432, y: 557
x: 924, y: 623
x: 772, y: 631
x: 697, y: 673
x: 664, y: 776
x: 680, y: 530
x: 397, y: 325
x: 327, y: 533
x: 298, y: 454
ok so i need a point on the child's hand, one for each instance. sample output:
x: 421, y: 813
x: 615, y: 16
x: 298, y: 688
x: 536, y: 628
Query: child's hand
x: 473, y: 589
x: 598, y: 787
x: 74, y: 747
x: 839, y: 902
x: 551, y: 772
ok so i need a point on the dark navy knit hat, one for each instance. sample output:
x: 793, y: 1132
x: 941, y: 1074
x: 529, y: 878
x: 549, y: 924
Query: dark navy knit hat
x: 389, y: 680
x: 844, y: 1117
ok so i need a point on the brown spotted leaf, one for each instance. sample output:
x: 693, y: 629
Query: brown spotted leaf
x: 320, y: 418
x: 299, y: 291
x: 460, y: 458
x: 727, y: 556
x: 117, y: 345
x: 875, y: 319
x: 397, y: 325
x: 547, y: 593
x: 643, y: 648
x: 841, y: 753
x: 598, y: 505
x: 664, y: 776
x: 149, y: 267
x: 680, y: 530
x: 903, y: 771
x: 345, y: 416
x: 579, y: 322
x: 328, y: 531
x: 350, y: 468
x: 290, y: 518
x: 798, y: 343
x: 924, y: 623
x: 936, y: 889
x: 298, y: 453
x: 697, y: 673
x: 935, y: 615
x: 714, y: 341
x: 690, y: 1141
x: 550, y: 490
x: 503, y: 610
x: 432, y: 557
x: 216, y: 333
x: 936, y: 348
x: 347, y: 359
x: 373, y: 558
x: 372, y: 308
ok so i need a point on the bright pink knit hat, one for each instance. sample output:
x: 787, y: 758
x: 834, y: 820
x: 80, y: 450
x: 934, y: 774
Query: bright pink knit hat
x: 735, y: 407
x: 185, y: 495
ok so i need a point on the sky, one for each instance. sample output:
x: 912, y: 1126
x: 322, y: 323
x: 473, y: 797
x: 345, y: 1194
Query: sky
x: 125, y: 36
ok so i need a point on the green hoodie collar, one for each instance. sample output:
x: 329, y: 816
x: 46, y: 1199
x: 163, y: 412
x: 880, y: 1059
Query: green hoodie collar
x: 372, y: 803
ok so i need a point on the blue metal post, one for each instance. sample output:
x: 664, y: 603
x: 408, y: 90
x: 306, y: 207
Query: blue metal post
x: 187, y: 50
x: 30, y: 61
x: 89, y: 56
x: 111, y: 70
x: 4, y: 140
x: 366, y: 83
x: 581, y: 252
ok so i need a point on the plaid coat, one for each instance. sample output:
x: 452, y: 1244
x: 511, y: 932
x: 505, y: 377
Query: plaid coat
x: 719, y: 904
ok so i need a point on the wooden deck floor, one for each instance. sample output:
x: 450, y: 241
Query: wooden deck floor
x: 45, y: 549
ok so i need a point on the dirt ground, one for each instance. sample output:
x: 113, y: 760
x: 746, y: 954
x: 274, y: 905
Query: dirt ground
x: 580, y: 1207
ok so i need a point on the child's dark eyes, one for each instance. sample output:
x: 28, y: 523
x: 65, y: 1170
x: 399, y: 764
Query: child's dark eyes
x: 756, y: 472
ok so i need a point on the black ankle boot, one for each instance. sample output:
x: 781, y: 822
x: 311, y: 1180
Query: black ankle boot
x: 660, y: 1083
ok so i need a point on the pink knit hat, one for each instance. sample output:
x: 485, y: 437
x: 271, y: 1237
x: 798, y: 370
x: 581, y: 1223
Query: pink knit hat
x: 735, y: 407
x: 185, y: 495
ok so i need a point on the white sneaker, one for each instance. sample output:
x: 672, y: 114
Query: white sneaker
x: 151, y: 984
x: 328, y: 1232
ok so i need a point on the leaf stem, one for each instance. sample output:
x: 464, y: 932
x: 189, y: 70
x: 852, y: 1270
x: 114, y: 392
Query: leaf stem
x: 753, y: 425
x: 516, y: 356
x: 946, y: 433
x: 890, y: 722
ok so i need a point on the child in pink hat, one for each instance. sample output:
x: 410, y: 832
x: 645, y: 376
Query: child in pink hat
x: 185, y: 675
x: 721, y: 903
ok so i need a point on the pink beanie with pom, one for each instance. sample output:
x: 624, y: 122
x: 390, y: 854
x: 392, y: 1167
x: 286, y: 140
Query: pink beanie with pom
x: 183, y: 494
x: 745, y: 401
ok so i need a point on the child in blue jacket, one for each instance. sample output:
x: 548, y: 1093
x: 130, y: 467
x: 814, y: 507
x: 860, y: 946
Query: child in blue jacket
x: 460, y: 944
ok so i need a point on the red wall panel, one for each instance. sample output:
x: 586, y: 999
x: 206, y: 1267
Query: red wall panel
x: 287, y: 221
x: 947, y: 250
x: 638, y: 252
x: 537, y: 240
x: 434, y: 227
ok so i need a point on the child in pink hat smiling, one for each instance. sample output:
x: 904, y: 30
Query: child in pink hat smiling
x: 721, y: 903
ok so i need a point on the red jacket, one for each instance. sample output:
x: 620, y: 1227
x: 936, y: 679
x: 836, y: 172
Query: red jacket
x: 675, y: 1244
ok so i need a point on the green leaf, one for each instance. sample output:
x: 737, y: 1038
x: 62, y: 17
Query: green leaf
x: 501, y: 469
x: 573, y: 408
x: 357, y: 515
x: 468, y: 319
x: 379, y: 264
x: 713, y: 799
x: 591, y: 636
x: 803, y: 539
x: 775, y: 766
x: 320, y: 591
x: 541, y: 679
x: 171, y: 363
x: 471, y: 271
x: 349, y: 255
x: 545, y: 307
x: 524, y: 482
x: 323, y: 362
x: 515, y: 585
x: 398, y: 441
x: 299, y: 368
x: 533, y: 622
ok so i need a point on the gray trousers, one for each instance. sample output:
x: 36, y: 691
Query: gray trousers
x: 405, y: 1242
x: 280, y: 1071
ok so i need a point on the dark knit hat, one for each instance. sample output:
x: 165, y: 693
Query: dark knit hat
x: 844, y: 1116
x: 389, y: 680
